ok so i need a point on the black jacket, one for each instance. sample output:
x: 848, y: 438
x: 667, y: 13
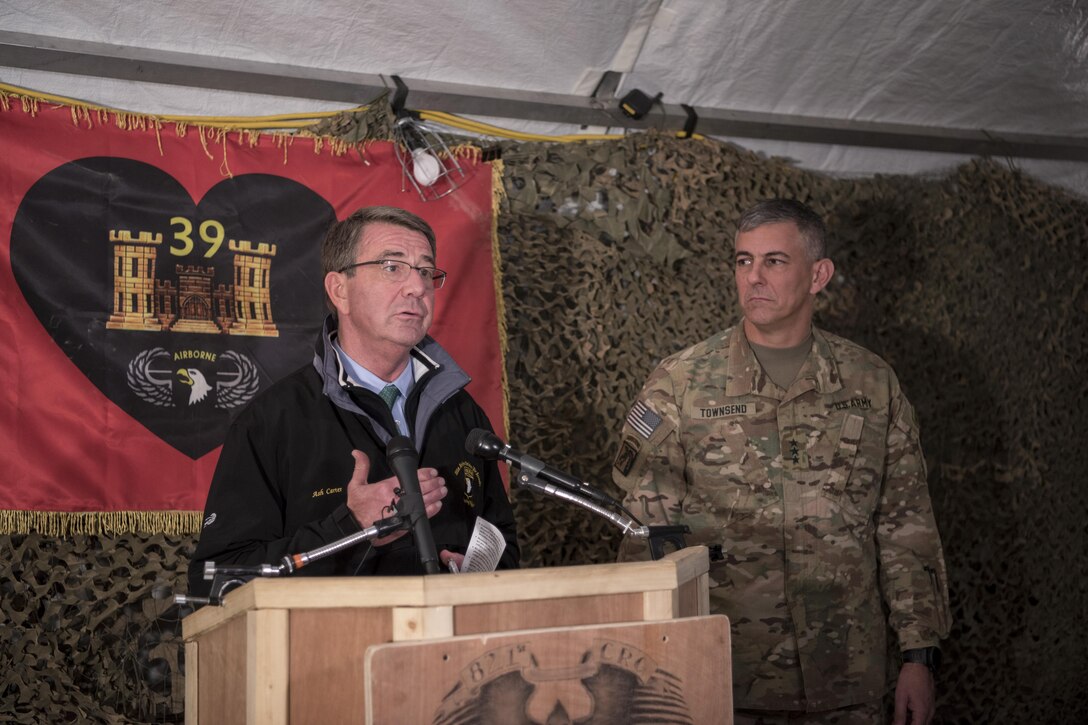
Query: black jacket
x: 280, y: 485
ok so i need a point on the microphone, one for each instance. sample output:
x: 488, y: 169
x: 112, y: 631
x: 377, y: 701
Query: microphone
x: 404, y: 461
x: 485, y: 444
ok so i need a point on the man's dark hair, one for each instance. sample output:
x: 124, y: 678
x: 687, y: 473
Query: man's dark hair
x: 776, y: 211
x: 342, y: 240
x: 338, y: 249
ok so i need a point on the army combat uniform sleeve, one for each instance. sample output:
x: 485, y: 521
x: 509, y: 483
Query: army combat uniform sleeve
x: 649, y: 467
x: 912, y: 569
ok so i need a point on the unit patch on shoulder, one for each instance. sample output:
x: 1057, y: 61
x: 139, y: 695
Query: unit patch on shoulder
x: 643, y: 420
x: 625, y: 459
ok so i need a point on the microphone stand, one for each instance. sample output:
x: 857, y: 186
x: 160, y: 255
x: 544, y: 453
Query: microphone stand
x: 227, y: 577
x: 657, y: 536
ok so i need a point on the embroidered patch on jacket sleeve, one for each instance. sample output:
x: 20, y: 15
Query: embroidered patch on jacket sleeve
x: 625, y: 459
x: 643, y: 420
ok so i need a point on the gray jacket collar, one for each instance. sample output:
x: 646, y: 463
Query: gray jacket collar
x: 438, y: 378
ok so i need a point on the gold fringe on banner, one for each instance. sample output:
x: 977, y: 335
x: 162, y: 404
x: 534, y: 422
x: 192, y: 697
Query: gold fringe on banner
x: 67, y: 523
x: 214, y: 131
x: 498, y: 195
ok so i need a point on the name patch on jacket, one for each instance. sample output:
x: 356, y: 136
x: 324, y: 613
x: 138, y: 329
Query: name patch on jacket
x: 864, y: 403
x: 723, y: 411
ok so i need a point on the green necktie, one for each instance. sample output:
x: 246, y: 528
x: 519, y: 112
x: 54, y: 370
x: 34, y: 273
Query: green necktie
x: 389, y: 394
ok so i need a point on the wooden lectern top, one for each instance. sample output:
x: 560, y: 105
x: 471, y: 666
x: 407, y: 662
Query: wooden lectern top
x: 515, y: 585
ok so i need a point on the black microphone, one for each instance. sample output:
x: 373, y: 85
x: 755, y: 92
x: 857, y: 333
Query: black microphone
x: 404, y: 461
x: 485, y: 444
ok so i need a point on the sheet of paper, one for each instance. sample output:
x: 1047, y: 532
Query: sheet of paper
x: 484, y: 548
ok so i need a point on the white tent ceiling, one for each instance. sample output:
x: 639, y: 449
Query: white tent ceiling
x: 1009, y: 68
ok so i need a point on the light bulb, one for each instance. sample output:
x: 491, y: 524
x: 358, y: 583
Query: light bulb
x: 426, y: 168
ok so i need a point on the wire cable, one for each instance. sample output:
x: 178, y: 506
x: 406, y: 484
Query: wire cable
x: 304, y: 121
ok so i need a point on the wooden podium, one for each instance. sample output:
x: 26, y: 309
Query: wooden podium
x: 565, y: 641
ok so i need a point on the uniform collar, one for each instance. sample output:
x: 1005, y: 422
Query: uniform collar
x: 745, y: 376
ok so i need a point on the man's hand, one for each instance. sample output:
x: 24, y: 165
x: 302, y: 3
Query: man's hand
x: 914, y: 694
x: 446, y: 556
x: 368, y: 501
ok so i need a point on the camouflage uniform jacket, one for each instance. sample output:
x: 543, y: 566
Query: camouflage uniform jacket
x: 817, y: 496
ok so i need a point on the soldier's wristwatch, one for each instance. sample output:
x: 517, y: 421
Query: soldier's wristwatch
x: 928, y: 656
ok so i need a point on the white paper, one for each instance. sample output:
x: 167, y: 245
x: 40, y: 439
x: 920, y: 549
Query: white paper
x: 484, y: 548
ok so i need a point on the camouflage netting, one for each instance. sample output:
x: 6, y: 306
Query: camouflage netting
x: 89, y: 631
x: 617, y: 254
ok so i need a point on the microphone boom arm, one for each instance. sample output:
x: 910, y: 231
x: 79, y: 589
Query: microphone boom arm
x: 485, y: 444
x: 624, y: 521
x: 384, y: 527
x: 657, y: 536
x: 226, y: 577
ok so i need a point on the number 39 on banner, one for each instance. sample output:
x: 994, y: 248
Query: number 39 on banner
x: 211, y: 232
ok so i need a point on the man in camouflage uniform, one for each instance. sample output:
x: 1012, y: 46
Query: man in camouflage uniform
x: 797, y: 453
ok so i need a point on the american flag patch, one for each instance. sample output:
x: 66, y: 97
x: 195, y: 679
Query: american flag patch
x: 643, y: 420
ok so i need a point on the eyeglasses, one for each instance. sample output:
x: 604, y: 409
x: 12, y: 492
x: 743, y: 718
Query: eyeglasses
x: 396, y: 271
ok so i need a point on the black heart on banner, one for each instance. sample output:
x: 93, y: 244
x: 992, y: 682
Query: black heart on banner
x: 178, y: 312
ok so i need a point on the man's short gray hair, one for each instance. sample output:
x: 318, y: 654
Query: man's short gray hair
x: 776, y: 211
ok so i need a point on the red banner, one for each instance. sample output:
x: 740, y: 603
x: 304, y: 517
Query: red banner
x: 154, y: 279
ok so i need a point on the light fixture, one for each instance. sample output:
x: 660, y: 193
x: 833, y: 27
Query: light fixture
x: 428, y: 163
x: 637, y: 104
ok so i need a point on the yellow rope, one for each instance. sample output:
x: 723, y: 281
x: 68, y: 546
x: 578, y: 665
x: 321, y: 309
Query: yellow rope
x: 485, y: 129
x: 296, y: 121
